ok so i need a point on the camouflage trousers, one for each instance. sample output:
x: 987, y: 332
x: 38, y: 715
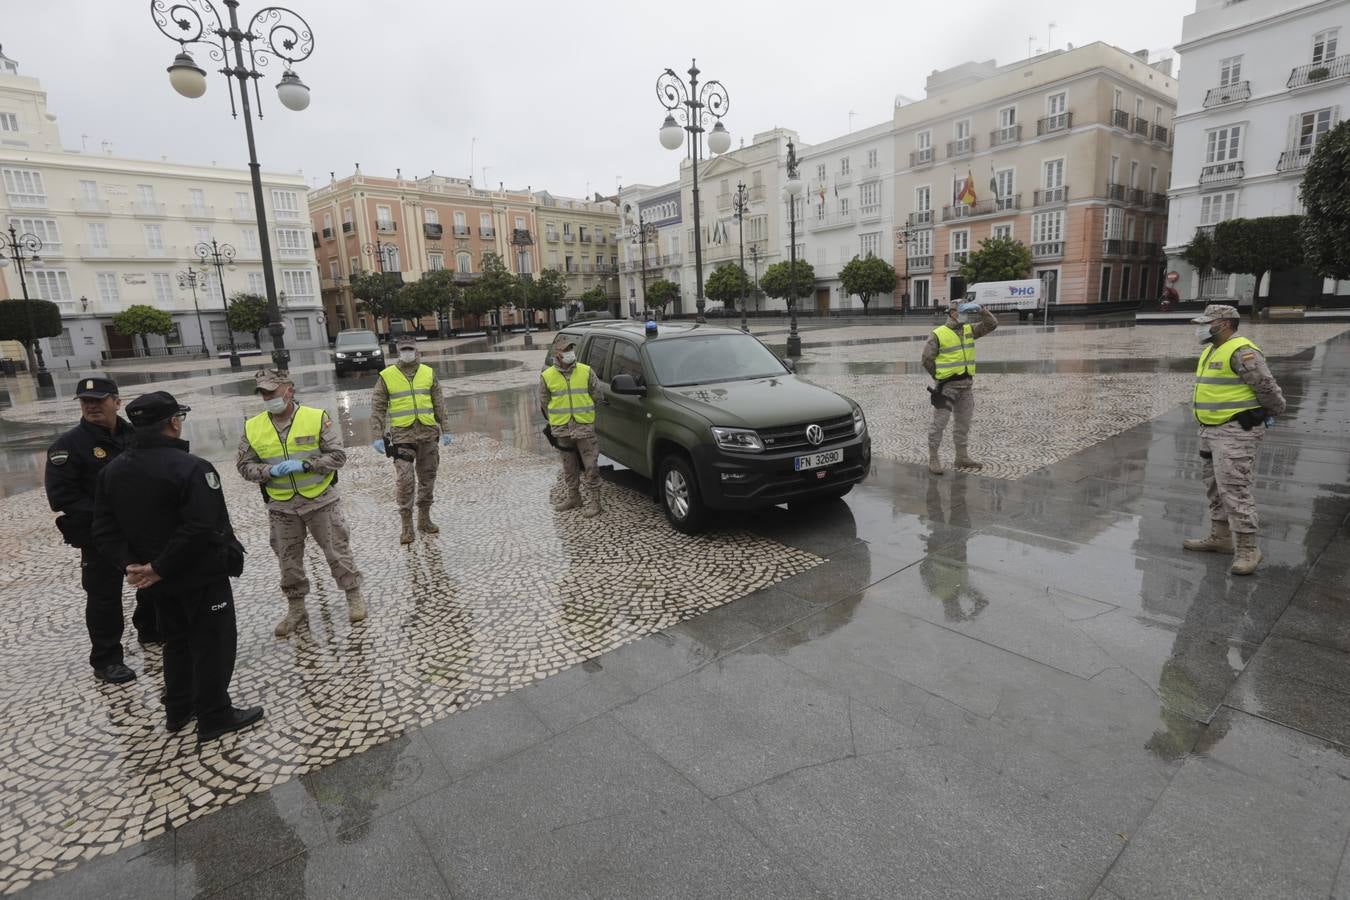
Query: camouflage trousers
x: 328, y: 527
x: 1229, y: 455
x: 418, y: 476
x: 587, y: 448
x: 961, y: 395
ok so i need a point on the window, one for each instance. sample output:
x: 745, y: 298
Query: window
x: 285, y: 204
x: 1104, y: 294
x: 384, y: 218
x: 302, y: 332
x: 292, y: 242
x: 44, y: 229
x: 1216, y: 208
x: 1056, y: 104
x: 923, y: 199
x: 346, y: 217
x: 220, y: 333
x: 257, y: 284
x: 9, y: 121
x: 1003, y: 231
x: 820, y: 173
x: 154, y: 238
x: 960, y: 244
x: 243, y: 202
x: 250, y: 236
x: 869, y: 197
x: 922, y: 244
x: 201, y: 234
x: 1138, y: 107
x: 597, y: 355
x: 89, y: 191
x: 520, y: 223
x: 1129, y: 228
x: 145, y: 194
x: 327, y: 224
x: 463, y: 263
x: 1230, y: 71
x: 53, y: 284
x: 107, y: 287
x: 1003, y: 181
x: 626, y: 361
x: 62, y: 344
x: 333, y: 271
x: 1117, y: 98
x: 431, y: 216
x: 197, y: 198
x: 1324, y: 45
x: 1007, y: 117
x: 871, y: 159
x: 924, y: 140
x: 1047, y: 227
x: 1113, y: 170
x: 392, y: 259
x: 1124, y: 283
x: 485, y: 221
x: 844, y: 168
x: 298, y: 284
x: 1148, y: 231
x: 920, y: 293
x: 24, y: 187
x: 961, y: 129
x: 175, y: 336
x: 163, y: 288
x: 1223, y: 144
x: 1153, y: 179
x: 435, y: 261
x: 98, y: 235
x: 868, y: 244
x: 1311, y: 128
x: 1052, y: 174
x: 843, y: 206
x: 1134, y: 173
x: 1112, y: 224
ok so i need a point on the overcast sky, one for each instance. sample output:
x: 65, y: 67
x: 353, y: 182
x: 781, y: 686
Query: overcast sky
x: 560, y: 96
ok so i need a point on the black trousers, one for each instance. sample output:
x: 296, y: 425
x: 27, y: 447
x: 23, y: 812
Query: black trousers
x: 102, y: 583
x: 199, y: 647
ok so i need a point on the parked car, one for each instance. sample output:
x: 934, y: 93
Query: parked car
x: 357, y: 350
x: 717, y: 421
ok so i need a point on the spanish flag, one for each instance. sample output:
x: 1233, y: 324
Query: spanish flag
x: 967, y: 195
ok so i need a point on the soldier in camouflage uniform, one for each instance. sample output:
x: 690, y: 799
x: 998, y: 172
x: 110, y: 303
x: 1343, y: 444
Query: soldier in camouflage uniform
x: 949, y: 356
x: 568, y: 393
x: 1235, y: 399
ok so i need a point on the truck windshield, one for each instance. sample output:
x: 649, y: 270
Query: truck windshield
x: 710, y: 358
x: 357, y: 339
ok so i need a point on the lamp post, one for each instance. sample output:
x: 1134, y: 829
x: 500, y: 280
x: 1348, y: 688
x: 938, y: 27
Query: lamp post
x: 190, y: 278
x: 698, y: 105
x: 221, y: 255
x: 791, y: 191
x: 754, y: 258
x: 740, y: 201
x: 273, y: 31
x: 520, y: 239
x: 18, y: 246
x: 902, y: 240
x: 643, y: 233
x: 376, y: 250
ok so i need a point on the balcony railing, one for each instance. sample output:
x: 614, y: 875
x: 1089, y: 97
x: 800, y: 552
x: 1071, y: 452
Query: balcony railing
x: 961, y: 147
x: 1228, y: 93
x: 1161, y: 134
x: 1115, y: 192
x: 551, y: 237
x: 826, y: 222
x: 1136, y: 197
x: 460, y: 230
x: 1120, y: 119
x: 432, y: 231
x: 1047, y: 250
x: 1293, y: 160
x: 1158, y: 201
x: 1113, y: 247
x: 521, y: 237
x: 123, y: 251
x: 569, y: 238
x: 348, y: 227
x: 243, y: 214
x: 287, y: 215
x: 1141, y: 126
x: 1151, y: 249
x: 956, y: 258
x: 293, y: 252
x: 194, y: 211
x: 921, y: 263
x: 1048, y: 196
x: 1009, y: 203
x: 1058, y: 122
x: 150, y: 208
x: 584, y: 238
x: 920, y: 217
x: 328, y: 234
x: 1222, y: 173
x: 88, y: 205
x: 1134, y: 248
x: 869, y: 213
x: 1009, y: 134
x: 486, y: 232
x: 386, y: 227
x: 922, y: 157
x: 1315, y: 73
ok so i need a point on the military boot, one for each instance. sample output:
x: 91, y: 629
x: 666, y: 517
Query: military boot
x: 934, y: 462
x: 295, y: 617
x: 356, y: 606
x: 424, y: 523
x: 963, y: 460
x: 1220, y: 539
x: 571, y: 501
x: 406, y: 535
x: 592, y: 508
x: 1248, y: 555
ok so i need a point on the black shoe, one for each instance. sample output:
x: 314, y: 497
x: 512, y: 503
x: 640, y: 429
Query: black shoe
x: 143, y: 638
x: 234, y: 720
x: 176, y: 724
x: 115, y: 673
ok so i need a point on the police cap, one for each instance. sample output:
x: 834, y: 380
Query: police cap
x: 96, y: 387
x: 154, y: 408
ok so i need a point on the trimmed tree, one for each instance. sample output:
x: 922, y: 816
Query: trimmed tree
x: 1258, y: 246
x: 14, y: 318
x: 998, y: 259
x: 595, y: 298
x: 495, y: 288
x: 433, y: 293
x: 143, y: 320
x: 868, y: 276
x: 661, y: 293
x: 727, y: 284
x: 548, y: 292
x: 1199, y: 255
x: 377, y: 294
x: 247, y: 314
x: 786, y: 282
x: 1326, y: 197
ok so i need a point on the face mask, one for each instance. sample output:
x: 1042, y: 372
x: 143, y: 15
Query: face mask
x: 1204, y: 334
x: 407, y: 356
x: 276, y: 406
x: 569, y: 357
x: 963, y: 319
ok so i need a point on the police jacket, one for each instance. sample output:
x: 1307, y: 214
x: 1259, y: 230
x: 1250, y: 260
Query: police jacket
x: 74, y: 462
x: 159, y: 504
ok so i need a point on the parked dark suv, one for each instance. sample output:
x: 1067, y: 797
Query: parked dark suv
x: 717, y: 421
x: 357, y: 350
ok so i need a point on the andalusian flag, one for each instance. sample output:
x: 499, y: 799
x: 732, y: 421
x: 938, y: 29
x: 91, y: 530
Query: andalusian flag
x: 967, y: 195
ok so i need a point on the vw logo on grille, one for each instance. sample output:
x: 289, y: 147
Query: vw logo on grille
x: 815, y: 434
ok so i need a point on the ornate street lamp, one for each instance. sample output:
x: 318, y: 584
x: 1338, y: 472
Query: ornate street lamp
x: 273, y: 31
x: 903, y: 237
x: 643, y: 233
x: 17, y: 246
x: 520, y: 239
x: 694, y: 106
x: 754, y: 258
x: 378, y: 251
x: 222, y: 255
x: 190, y: 278
x: 792, y: 190
x: 740, y: 201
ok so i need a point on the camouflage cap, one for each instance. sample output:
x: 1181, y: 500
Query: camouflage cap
x: 1214, y: 312
x: 407, y: 341
x: 270, y: 378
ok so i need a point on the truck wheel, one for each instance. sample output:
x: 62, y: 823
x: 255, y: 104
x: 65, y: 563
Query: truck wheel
x: 679, y: 495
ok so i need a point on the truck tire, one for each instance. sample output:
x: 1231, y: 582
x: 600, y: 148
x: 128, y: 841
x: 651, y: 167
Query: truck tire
x: 679, y: 494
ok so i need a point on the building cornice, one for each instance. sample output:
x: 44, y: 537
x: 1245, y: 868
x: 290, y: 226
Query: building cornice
x: 1257, y: 25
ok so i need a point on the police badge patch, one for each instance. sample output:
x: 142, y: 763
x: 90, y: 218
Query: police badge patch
x: 100, y: 453
x: 213, y: 481
x: 58, y: 457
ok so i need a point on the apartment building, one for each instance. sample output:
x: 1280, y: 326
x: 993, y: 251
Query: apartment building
x: 410, y: 226
x: 117, y: 232
x: 580, y: 239
x: 1265, y: 81
x: 658, y: 208
x: 1068, y: 152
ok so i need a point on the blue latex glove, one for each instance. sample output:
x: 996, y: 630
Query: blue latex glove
x: 1270, y: 421
x: 288, y: 467
x: 446, y: 438
x: 378, y: 444
x: 968, y: 308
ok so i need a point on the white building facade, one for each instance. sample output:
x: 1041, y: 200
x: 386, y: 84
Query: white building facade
x: 1265, y: 80
x: 658, y: 208
x: 117, y: 232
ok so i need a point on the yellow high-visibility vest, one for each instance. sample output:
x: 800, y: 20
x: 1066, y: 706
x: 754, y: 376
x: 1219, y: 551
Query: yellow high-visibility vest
x: 1220, y: 393
x: 956, y: 353
x: 570, y: 398
x: 302, y: 442
x: 410, y: 399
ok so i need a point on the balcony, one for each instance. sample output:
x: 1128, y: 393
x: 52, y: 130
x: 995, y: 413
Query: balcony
x: 1228, y: 93
x: 287, y: 215
x: 869, y: 213
x: 293, y: 252
x: 1136, y: 197
x: 961, y: 147
x: 1293, y: 160
x: 1051, y: 124
x: 328, y: 234
x: 1158, y: 201
x: 584, y: 238
x: 146, y: 209
x: 243, y: 214
x: 569, y: 238
x: 955, y: 259
x: 1113, y: 247
x: 432, y: 231
x: 1161, y: 134
x: 1051, y: 196
x: 126, y: 251
x: 827, y: 222
x: 1141, y: 127
x: 486, y: 233
x: 974, y: 210
x: 1047, y: 250
x: 1115, y: 192
x: 193, y: 211
x: 921, y: 218
x: 1318, y: 72
x: 90, y: 205
x: 1222, y: 173
x: 1151, y: 250
x: 348, y: 227
x: 920, y: 263
x: 386, y: 227
x: 461, y: 231
x: 1010, y: 203
x: 521, y: 237
x: 1134, y: 248
x: 551, y: 237
x: 1009, y: 134
x: 1119, y: 119
x: 922, y: 157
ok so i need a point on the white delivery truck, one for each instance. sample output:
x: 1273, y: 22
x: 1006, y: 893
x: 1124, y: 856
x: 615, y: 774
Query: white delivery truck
x: 1024, y: 297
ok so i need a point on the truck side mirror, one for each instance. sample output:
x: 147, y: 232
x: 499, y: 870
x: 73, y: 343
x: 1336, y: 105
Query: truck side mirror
x: 624, y: 383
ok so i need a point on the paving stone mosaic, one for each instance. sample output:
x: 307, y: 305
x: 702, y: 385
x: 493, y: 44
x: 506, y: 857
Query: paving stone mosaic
x: 508, y: 593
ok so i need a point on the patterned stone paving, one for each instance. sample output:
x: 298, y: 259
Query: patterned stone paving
x: 509, y: 593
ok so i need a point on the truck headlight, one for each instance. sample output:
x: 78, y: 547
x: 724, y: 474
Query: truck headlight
x: 341, y: 355
x: 859, y: 422
x: 739, y: 440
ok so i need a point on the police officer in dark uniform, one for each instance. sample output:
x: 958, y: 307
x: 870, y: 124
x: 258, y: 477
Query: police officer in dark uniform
x: 160, y: 515
x: 73, y: 465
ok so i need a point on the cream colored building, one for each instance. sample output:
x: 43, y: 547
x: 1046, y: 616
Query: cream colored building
x: 580, y: 239
x: 1077, y: 145
x: 117, y: 232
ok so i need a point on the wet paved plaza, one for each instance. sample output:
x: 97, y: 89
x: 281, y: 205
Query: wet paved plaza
x: 1012, y: 684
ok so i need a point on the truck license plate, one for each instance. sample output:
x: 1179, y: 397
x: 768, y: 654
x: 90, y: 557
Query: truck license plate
x: 816, y: 460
